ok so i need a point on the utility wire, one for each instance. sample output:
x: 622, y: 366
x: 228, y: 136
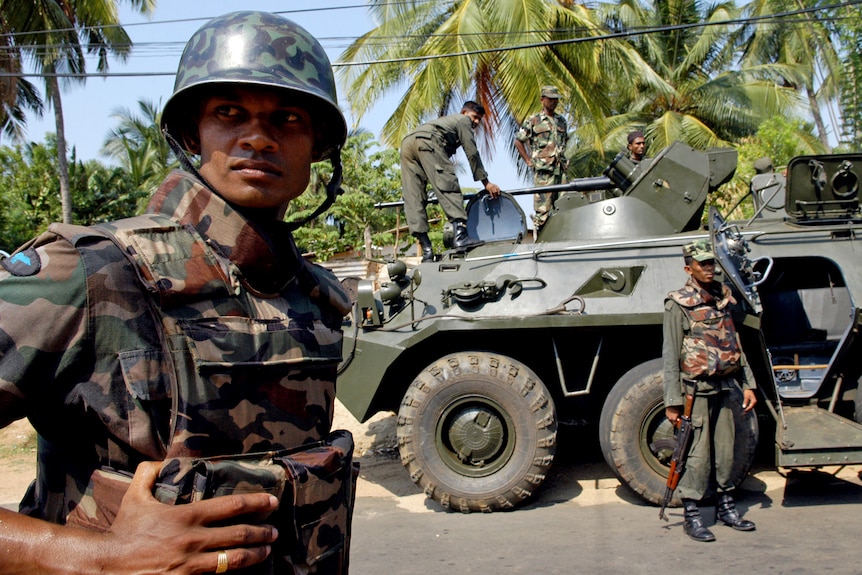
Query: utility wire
x: 201, y: 19
x: 779, y: 17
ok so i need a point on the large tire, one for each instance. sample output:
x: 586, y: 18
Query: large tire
x: 636, y: 437
x: 477, y: 431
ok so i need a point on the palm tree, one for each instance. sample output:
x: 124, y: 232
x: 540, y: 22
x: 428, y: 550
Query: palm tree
x: 138, y: 145
x: 17, y: 95
x: 496, y: 52
x: 57, y: 33
x: 710, y: 101
x: 801, y: 53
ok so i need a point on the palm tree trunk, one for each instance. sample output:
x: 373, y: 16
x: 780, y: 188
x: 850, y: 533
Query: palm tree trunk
x: 62, y: 164
x: 818, y: 118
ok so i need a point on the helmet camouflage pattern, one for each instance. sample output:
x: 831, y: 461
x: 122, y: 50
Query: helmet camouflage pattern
x: 258, y: 48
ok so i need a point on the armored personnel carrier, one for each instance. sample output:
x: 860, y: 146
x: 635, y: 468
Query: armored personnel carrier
x: 483, y: 354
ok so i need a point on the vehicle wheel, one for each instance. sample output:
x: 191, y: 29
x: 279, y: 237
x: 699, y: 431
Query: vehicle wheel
x: 637, y: 439
x: 477, y: 431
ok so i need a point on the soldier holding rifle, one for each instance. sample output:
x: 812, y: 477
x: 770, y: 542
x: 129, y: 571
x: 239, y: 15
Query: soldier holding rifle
x: 701, y: 351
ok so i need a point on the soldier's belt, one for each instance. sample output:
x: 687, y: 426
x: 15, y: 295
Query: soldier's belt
x: 315, y: 484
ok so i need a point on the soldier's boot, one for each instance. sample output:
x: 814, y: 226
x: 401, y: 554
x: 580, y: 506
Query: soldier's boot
x: 425, y: 244
x: 727, y: 513
x: 694, y: 526
x: 462, y: 241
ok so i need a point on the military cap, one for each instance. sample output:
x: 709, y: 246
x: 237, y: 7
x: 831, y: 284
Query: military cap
x: 699, y: 250
x: 550, y: 92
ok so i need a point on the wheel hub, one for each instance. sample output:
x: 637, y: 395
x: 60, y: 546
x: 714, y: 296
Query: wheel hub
x: 476, y: 435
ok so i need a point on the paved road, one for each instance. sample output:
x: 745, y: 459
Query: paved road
x: 583, y: 521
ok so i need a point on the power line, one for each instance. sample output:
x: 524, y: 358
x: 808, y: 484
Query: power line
x: 780, y: 17
x: 200, y: 19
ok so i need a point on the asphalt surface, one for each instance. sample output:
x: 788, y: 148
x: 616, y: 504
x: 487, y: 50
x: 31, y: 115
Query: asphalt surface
x: 583, y: 521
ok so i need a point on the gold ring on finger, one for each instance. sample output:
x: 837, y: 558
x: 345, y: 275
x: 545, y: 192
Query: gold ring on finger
x: 222, y: 562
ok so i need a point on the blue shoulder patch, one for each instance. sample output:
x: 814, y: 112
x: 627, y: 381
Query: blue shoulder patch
x: 26, y: 263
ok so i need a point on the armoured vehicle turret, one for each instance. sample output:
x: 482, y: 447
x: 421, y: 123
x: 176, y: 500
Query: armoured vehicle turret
x: 483, y: 354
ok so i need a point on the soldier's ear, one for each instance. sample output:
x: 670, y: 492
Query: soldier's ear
x: 192, y: 142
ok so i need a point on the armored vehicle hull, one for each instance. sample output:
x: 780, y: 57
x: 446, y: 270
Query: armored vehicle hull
x: 483, y: 354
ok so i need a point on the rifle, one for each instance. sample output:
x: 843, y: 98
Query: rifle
x: 680, y: 453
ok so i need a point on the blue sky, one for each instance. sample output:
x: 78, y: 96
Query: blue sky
x: 87, y: 109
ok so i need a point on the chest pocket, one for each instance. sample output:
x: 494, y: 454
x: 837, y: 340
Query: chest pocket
x: 710, y: 348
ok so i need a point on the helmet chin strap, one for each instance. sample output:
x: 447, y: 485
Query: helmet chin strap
x: 184, y: 159
x: 333, y: 188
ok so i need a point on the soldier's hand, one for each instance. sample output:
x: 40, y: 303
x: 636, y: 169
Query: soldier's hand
x: 673, y: 412
x: 493, y: 189
x: 749, y: 399
x: 151, y: 537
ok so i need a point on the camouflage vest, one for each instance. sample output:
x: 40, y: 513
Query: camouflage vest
x: 247, y: 375
x: 710, y: 347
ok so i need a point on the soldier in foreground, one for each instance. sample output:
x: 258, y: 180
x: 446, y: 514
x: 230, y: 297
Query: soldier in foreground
x: 196, y: 330
x: 546, y: 135
x: 702, y: 357
x: 426, y: 158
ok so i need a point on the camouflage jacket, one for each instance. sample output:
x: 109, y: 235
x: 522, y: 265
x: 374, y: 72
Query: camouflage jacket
x: 547, y: 137
x: 208, y: 336
x: 700, y: 342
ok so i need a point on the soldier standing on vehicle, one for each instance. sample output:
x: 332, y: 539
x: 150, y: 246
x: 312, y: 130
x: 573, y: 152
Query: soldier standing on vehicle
x: 195, y: 330
x: 546, y: 135
x: 426, y: 158
x: 701, y: 354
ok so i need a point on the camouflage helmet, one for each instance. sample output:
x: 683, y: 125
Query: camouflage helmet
x: 262, y: 49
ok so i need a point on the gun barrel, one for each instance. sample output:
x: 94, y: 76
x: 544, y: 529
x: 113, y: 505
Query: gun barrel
x: 578, y: 185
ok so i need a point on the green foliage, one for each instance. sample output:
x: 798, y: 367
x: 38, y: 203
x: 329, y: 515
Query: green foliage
x: 139, y: 147
x: 851, y: 86
x: 779, y: 139
x: 30, y: 192
x: 370, y: 175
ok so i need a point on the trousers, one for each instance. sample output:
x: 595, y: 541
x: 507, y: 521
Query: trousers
x: 712, y: 447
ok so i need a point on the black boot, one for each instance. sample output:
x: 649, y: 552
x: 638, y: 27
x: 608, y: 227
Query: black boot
x: 425, y: 244
x: 726, y: 512
x: 694, y: 526
x: 463, y: 241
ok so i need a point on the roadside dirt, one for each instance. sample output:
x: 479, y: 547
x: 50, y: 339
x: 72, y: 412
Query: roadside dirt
x: 375, y: 440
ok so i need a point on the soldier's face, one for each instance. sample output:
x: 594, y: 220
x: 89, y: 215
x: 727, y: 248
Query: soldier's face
x: 550, y: 104
x: 638, y: 147
x: 702, y: 272
x: 256, y: 146
x: 475, y: 118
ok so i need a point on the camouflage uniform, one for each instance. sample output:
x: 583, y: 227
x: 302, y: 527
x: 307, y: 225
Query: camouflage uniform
x: 426, y: 157
x: 701, y: 344
x: 208, y: 336
x: 547, y: 137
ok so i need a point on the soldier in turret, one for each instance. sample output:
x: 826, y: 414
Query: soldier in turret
x: 195, y: 330
x: 636, y: 146
x: 702, y: 355
x: 541, y: 142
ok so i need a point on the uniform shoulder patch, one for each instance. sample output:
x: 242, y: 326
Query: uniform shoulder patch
x: 22, y: 264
